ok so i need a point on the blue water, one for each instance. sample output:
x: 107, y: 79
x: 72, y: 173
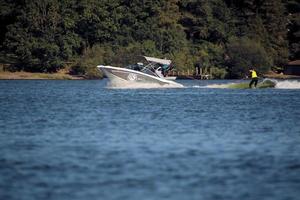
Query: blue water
x: 80, y: 140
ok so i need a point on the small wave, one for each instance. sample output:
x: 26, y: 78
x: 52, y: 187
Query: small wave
x: 197, y: 86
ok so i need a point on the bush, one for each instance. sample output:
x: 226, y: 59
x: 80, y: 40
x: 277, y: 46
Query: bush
x: 218, y: 73
x: 88, y: 71
x: 87, y: 64
x: 245, y: 54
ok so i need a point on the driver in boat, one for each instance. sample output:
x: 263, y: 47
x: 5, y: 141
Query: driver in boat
x: 165, y: 69
x: 138, y: 66
x: 254, y: 78
x: 158, y: 71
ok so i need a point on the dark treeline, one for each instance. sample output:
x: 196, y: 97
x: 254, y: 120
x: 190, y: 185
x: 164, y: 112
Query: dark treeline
x: 228, y: 35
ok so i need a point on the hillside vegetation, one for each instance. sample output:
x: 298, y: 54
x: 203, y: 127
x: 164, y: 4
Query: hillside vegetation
x: 230, y: 35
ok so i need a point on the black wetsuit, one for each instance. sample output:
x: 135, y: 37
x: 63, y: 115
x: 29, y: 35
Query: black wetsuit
x: 254, y: 80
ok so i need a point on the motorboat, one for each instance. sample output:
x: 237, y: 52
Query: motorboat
x: 171, y: 77
x: 151, y: 74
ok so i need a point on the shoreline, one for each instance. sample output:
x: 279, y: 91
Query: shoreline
x: 5, y: 75
x: 281, y: 76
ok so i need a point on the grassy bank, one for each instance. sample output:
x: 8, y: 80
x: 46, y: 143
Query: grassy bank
x: 26, y: 75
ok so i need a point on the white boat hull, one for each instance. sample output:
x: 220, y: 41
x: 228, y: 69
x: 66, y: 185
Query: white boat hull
x: 120, y: 76
x: 171, y: 77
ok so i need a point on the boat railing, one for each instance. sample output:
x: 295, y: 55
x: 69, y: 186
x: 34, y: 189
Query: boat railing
x: 149, y: 69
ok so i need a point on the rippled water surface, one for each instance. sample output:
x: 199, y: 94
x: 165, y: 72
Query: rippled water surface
x: 81, y: 140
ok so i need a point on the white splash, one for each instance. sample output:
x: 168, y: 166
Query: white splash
x: 288, y: 84
x: 197, y: 86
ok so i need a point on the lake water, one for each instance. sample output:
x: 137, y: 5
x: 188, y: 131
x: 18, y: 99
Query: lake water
x: 80, y: 140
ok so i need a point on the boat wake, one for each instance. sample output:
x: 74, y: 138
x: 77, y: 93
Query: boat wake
x: 222, y: 86
x: 288, y: 84
x: 136, y: 85
x: 266, y: 83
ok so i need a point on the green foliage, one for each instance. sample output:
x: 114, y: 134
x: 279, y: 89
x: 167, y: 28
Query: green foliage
x: 244, y: 54
x: 86, y: 65
x: 41, y: 35
x: 39, y: 40
x: 183, y: 59
x: 218, y: 73
x: 293, y: 8
x: 263, y: 21
x: 206, y: 20
x: 212, y: 55
x: 275, y: 22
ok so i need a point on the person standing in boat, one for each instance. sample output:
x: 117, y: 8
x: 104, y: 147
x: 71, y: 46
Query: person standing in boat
x: 165, y: 69
x: 254, y: 78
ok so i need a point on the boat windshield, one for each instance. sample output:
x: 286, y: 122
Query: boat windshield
x: 137, y: 67
x: 156, y: 67
x: 149, y: 70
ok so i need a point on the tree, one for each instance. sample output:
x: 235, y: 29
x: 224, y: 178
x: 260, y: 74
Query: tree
x: 272, y: 13
x: 206, y: 20
x: 170, y: 37
x: 293, y: 8
x: 97, y: 21
x: 265, y: 22
x: 43, y: 36
x: 244, y: 54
